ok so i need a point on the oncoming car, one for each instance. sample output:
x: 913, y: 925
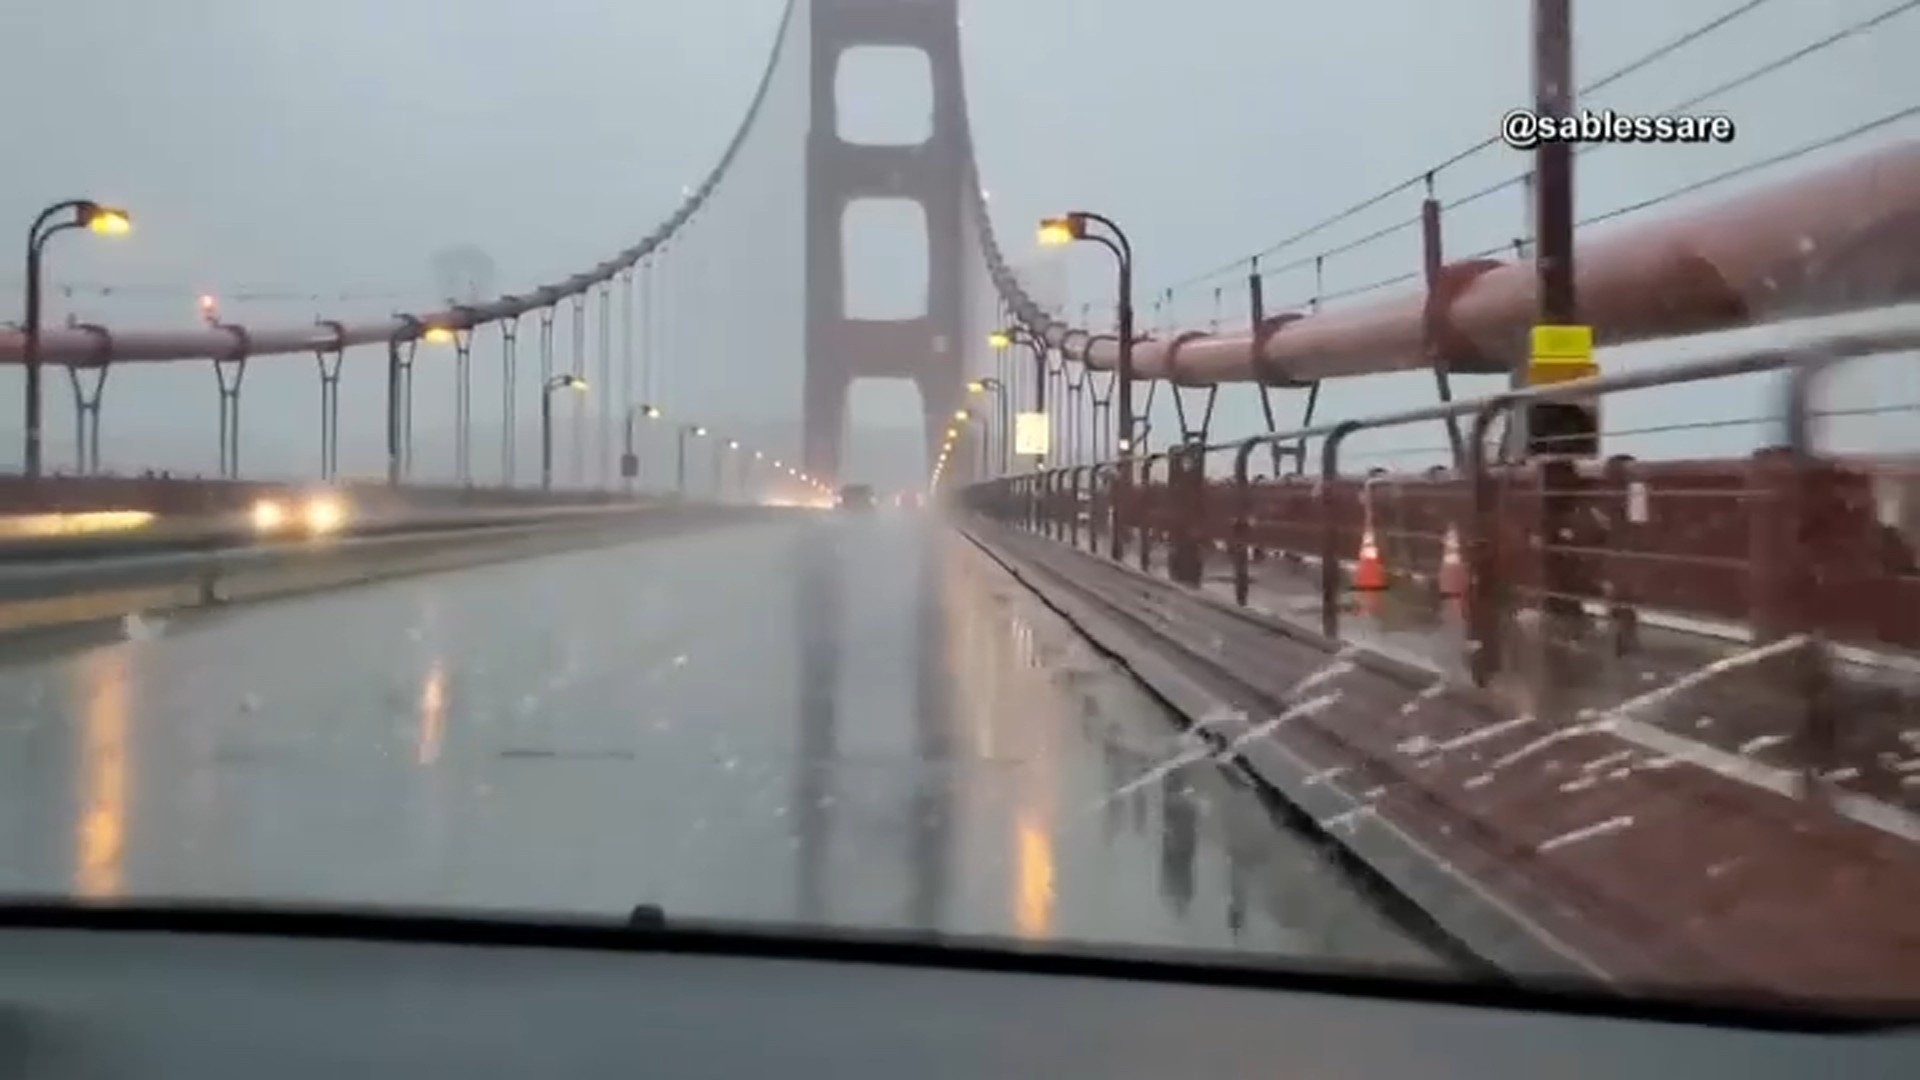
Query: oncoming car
x: 856, y: 497
x: 317, y: 513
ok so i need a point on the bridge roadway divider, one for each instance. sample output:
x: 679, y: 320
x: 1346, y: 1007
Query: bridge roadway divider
x: 1672, y: 876
x: 206, y: 564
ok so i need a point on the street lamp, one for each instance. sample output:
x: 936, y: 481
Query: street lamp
x: 558, y: 382
x: 630, y: 456
x: 82, y: 214
x: 1004, y: 339
x: 720, y: 469
x: 680, y: 466
x: 998, y: 389
x: 1066, y: 230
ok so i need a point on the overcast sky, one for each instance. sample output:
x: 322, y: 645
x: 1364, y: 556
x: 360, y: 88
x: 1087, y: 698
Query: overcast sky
x: 328, y: 149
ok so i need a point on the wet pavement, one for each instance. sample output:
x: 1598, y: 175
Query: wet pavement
x: 832, y: 719
x: 1732, y: 716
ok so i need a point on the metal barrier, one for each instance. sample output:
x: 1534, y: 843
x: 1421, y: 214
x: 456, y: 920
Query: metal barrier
x: 1687, y: 564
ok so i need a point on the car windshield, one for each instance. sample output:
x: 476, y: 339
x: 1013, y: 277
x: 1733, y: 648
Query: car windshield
x: 1443, y: 500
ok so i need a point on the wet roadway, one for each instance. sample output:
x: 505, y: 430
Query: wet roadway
x: 828, y: 719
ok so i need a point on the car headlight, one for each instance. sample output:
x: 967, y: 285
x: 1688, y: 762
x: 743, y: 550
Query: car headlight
x: 268, y: 516
x: 325, y: 514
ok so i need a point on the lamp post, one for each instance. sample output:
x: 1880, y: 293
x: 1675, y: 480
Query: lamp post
x: 680, y: 466
x: 566, y: 381
x: 1001, y: 339
x: 1066, y: 230
x: 81, y: 214
x: 630, y: 454
x: 998, y: 389
x: 720, y: 452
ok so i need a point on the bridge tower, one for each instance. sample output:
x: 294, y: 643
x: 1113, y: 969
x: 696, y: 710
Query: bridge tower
x: 927, y: 349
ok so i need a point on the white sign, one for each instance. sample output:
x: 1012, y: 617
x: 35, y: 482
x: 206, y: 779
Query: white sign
x: 1030, y: 434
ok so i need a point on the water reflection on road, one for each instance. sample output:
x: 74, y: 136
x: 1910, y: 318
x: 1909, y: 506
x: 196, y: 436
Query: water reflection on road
x: 830, y: 719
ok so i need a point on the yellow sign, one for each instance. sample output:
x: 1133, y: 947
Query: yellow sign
x: 1561, y: 354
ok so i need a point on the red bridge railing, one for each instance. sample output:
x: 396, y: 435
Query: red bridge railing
x: 1788, y: 542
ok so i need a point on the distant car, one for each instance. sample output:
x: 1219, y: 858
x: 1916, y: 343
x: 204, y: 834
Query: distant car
x: 856, y: 497
x: 315, y: 513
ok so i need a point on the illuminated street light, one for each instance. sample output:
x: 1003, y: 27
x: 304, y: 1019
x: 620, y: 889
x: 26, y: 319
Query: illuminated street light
x: 680, y: 466
x: 630, y: 455
x: 1000, y: 339
x: 84, y: 214
x: 106, y: 220
x: 209, y: 309
x: 1061, y: 231
x: 995, y: 387
x: 437, y: 335
x: 558, y: 382
x: 1038, y: 345
x: 1065, y: 230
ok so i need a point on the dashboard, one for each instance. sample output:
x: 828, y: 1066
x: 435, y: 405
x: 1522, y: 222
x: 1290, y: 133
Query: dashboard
x: 144, y: 1000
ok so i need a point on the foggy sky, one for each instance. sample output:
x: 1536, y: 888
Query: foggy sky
x: 324, y: 149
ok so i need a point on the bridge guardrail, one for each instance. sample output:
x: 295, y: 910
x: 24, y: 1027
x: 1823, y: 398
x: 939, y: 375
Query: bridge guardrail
x: 170, y: 496
x: 235, y: 528
x: 1785, y: 560
x: 42, y: 594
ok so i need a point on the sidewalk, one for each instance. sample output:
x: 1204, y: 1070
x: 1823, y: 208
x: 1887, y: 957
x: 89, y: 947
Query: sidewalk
x: 1648, y: 868
x: 1736, y: 723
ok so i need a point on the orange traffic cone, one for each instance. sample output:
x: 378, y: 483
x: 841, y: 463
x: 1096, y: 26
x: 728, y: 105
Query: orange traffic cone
x: 1370, y: 574
x: 1453, y: 568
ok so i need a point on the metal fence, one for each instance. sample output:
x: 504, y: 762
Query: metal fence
x: 1672, y: 565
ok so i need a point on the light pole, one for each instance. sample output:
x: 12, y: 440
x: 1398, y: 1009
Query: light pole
x: 1001, y: 339
x: 630, y: 455
x: 567, y: 381
x: 1066, y: 230
x: 82, y: 214
x: 720, y: 453
x: 680, y: 466
x: 998, y: 389
x: 962, y: 418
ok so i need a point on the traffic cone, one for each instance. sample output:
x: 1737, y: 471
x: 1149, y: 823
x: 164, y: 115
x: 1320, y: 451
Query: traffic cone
x: 1453, y: 568
x: 1370, y: 574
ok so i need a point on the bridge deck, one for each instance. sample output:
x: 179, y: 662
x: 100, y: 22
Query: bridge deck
x: 822, y: 719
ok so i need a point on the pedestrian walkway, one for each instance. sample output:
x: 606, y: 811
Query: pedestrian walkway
x: 1732, y: 716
